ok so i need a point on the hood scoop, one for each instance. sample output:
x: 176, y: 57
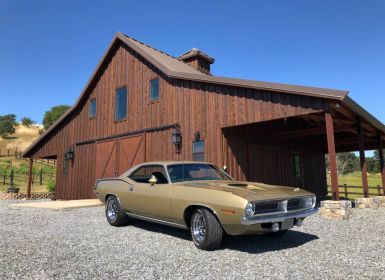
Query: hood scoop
x: 237, y: 185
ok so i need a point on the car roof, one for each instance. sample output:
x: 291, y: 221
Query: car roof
x: 169, y: 162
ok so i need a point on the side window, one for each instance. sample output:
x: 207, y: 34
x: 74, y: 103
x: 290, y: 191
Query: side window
x: 199, y: 150
x: 154, y: 89
x: 92, y: 109
x: 297, y: 166
x: 120, y: 104
x: 144, y: 173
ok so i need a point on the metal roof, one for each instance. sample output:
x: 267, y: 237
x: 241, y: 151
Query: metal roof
x: 174, y: 68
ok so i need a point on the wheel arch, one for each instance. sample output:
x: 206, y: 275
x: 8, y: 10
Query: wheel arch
x: 189, y: 210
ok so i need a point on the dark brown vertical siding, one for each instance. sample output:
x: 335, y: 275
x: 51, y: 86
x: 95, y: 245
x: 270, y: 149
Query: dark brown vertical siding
x: 196, y: 106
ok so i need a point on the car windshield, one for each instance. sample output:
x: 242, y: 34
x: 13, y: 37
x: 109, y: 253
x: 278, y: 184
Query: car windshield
x: 195, y: 172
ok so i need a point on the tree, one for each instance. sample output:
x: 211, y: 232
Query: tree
x: 7, y: 124
x: 347, y: 163
x: 53, y: 115
x: 27, y: 121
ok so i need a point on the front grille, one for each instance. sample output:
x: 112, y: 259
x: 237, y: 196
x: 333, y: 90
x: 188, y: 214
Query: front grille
x: 294, y: 204
x: 274, y: 206
x: 262, y: 207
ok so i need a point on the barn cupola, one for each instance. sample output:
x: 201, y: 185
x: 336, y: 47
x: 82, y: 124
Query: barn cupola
x: 198, y: 60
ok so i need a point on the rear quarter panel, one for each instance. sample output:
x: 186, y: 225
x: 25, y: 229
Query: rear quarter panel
x: 114, y: 186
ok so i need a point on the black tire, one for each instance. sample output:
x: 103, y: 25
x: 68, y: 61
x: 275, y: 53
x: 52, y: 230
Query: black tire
x: 115, y: 214
x: 206, y: 236
x: 278, y: 233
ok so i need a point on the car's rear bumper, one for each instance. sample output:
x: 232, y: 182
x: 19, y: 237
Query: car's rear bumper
x: 276, y: 218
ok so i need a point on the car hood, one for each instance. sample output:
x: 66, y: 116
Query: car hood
x: 250, y: 190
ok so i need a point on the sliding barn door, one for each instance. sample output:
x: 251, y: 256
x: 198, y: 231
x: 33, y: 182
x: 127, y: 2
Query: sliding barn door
x: 131, y: 152
x: 114, y: 157
x: 106, y: 159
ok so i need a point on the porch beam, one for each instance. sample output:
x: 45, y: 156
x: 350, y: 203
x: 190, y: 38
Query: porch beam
x: 332, y: 155
x: 310, y: 132
x: 29, y: 184
x: 381, y: 155
x: 364, y: 174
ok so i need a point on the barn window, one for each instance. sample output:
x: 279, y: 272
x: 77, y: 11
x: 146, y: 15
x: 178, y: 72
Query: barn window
x: 297, y: 166
x: 154, y: 89
x: 120, y: 104
x: 92, y: 109
x: 199, y: 150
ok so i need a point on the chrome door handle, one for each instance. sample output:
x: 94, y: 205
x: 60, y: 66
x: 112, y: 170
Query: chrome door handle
x: 131, y: 188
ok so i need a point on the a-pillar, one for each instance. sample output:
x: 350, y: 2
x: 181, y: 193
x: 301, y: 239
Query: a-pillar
x: 332, y: 155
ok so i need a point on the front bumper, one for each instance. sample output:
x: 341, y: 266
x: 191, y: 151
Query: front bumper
x: 276, y: 218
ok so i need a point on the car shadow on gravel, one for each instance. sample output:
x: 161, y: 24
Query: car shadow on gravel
x: 253, y: 244
x: 256, y: 244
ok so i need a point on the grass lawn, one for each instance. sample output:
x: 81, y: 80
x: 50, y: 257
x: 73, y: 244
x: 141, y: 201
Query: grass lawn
x: 354, y: 179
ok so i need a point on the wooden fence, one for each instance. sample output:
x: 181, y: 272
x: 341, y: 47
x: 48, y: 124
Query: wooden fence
x: 357, y: 191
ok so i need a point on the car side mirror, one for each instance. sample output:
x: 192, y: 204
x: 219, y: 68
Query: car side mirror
x: 153, y: 180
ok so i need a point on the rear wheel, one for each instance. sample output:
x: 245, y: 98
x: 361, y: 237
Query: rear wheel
x: 206, y: 231
x: 115, y: 214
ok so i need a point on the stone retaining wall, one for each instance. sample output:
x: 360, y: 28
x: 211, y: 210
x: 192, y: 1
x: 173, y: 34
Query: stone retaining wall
x: 336, y: 210
x: 367, y: 202
x: 4, y: 196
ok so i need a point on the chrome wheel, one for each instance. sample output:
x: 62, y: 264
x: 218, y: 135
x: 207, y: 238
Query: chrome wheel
x: 198, y: 227
x: 112, y: 210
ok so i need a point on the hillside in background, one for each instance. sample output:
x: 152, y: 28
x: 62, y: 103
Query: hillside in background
x: 20, y: 140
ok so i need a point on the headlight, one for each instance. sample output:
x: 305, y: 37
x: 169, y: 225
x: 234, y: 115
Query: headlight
x: 249, y: 209
x: 309, y: 202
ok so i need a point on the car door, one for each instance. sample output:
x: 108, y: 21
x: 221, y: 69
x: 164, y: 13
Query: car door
x: 151, y: 200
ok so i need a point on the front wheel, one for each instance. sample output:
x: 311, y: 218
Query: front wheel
x: 115, y: 214
x: 206, y: 231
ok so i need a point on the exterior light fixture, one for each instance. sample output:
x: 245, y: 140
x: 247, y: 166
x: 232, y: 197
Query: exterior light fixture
x: 176, y: 138
x: 69, y: 155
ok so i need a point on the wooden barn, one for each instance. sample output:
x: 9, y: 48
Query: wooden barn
x: 142, y: 104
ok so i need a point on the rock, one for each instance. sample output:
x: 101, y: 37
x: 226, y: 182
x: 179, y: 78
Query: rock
x: 336, y: 210
x: 367, y: 202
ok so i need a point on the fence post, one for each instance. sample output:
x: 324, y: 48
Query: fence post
x: 8, y: 152
x: 378, y: 190
x: 4, y: 177
x: 41, y: 176
x: 346, y: 190
x: 11, y: 179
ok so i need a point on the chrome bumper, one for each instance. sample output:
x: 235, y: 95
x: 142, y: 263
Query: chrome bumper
x: 275, y: 218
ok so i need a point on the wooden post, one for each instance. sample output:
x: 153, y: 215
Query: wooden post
x: 332, y: 155
x: 346, y: 190
x: 364, y: 174
x: 29, y: 185
x: 41, y: 176
x: 381, y: 155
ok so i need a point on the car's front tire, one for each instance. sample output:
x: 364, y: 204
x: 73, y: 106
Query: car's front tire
x: 206, y: 231
x: 115, y: 214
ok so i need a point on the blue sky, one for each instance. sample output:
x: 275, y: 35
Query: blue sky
x: 48, y: 49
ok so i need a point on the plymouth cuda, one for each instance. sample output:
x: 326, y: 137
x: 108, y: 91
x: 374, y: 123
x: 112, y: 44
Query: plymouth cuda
x: 203, y: 198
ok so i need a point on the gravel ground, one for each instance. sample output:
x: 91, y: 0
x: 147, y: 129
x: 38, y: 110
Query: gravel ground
x: 79, y: 243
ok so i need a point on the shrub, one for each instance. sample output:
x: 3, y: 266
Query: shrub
x: 51, y: 185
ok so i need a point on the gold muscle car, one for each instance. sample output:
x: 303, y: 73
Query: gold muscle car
x: 204, y: 199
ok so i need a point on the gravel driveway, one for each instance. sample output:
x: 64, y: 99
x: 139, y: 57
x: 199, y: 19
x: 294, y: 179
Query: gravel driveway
x: 79, y: 243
